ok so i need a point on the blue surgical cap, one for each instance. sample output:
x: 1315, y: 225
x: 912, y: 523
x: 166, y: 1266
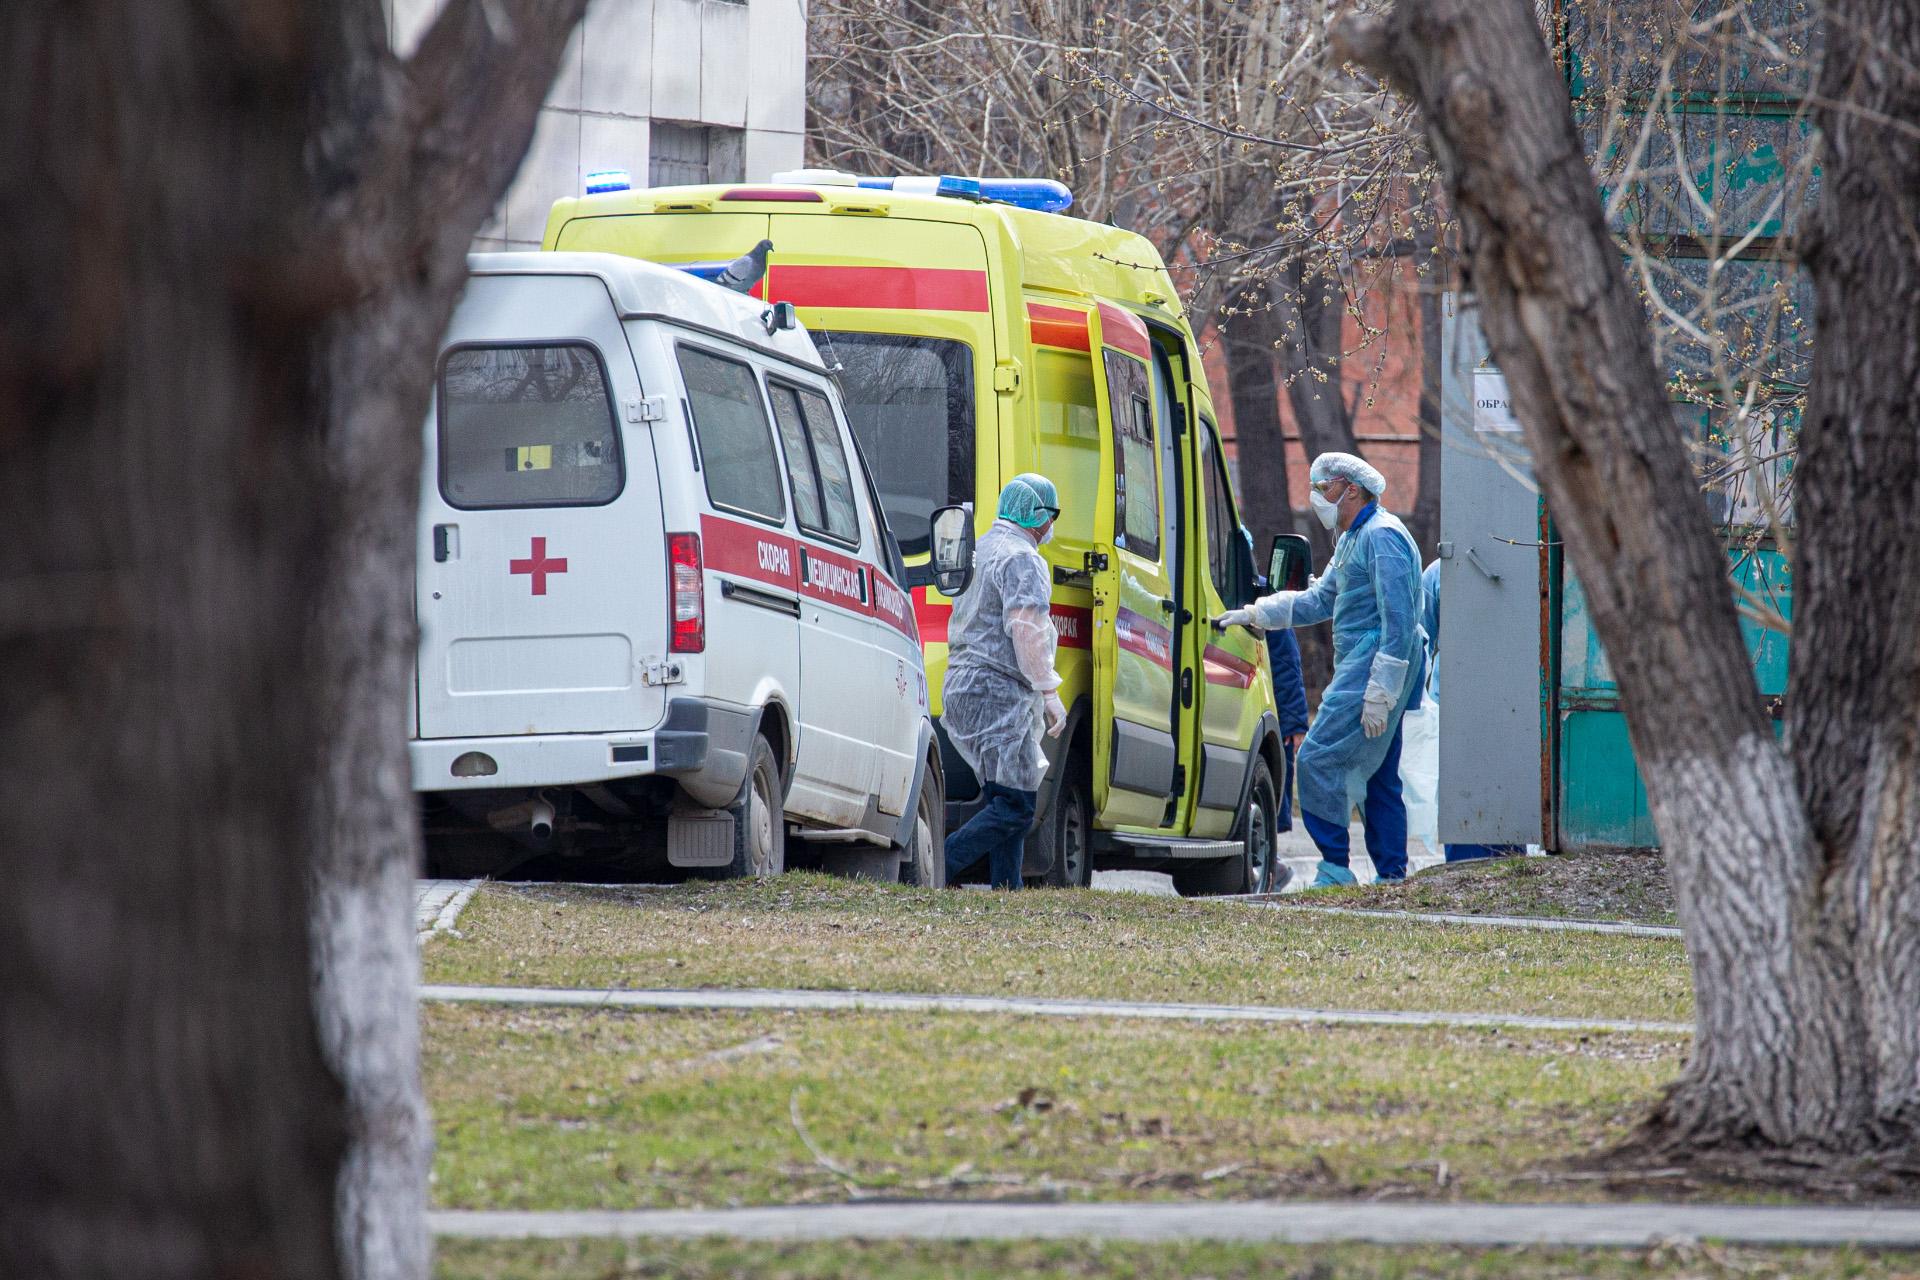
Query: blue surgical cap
x: 1345, y: 466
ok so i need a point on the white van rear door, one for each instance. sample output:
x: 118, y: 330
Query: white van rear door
x: 541, y: 589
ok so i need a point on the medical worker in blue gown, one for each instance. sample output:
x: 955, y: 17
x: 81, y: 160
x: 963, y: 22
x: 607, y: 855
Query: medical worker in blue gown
x: 1371, y: 591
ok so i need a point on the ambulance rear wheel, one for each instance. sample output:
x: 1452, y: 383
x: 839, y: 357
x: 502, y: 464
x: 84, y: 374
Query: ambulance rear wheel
x: 760, y: 838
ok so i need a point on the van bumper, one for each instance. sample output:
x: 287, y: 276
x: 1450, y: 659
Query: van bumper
x: 703, y: 745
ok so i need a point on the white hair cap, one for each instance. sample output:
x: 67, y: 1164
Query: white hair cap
x: 1345, y: 466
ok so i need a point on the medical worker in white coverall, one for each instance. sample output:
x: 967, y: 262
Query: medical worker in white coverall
x: 1371, y: 591
x: 1001, y: 688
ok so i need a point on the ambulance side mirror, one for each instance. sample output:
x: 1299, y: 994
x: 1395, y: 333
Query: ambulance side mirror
x: 779, y: 316
x: 1288, y: 562
x: 952, y: 562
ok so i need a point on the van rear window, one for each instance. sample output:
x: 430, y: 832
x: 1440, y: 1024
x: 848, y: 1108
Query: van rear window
x: 527, y: 426
x: 910, y: 403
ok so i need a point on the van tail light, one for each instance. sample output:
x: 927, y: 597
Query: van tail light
x: 687, y: 594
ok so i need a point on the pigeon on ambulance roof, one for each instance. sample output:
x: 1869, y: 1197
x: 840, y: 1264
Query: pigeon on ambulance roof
x: 745, y: 271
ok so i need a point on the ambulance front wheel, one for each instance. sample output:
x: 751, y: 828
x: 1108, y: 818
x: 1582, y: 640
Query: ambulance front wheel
x: 924, y: 861
x: 1250, y: 870
x: 760, y: 833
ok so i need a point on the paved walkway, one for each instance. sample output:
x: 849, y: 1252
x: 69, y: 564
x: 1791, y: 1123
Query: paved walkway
x: 1036, y: 1006
x: 1592, y: 1225
x: 438, y: 903
x: 1498, y: 922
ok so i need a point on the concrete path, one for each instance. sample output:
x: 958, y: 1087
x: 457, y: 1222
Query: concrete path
x: 1035, y: 1006
x: 438, y: 903
x: 1499, y: 922
x: 1591, y: 1225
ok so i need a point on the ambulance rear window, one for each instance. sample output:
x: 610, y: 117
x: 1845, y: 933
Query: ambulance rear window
x: 910, y: 403
x: 528, y: 426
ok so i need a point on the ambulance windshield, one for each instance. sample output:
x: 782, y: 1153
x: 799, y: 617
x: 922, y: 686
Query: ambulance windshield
x: 910, y: 402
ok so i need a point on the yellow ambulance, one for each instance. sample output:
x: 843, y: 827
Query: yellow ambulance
x: 977, y: 331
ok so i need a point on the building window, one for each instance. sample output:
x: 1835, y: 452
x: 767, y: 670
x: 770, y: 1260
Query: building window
x: 681, y: 155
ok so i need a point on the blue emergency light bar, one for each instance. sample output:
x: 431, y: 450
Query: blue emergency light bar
x: 1042, y: 195
x: 705, y: 270
x: 601, y: 181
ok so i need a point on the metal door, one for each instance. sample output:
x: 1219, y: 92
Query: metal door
x: 1492, y: 776
x: 1133, y: 634
x: 541, y: 587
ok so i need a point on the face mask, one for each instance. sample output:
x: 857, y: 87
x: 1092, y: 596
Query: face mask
x: 1328, y: 512
x: 1046, y: 537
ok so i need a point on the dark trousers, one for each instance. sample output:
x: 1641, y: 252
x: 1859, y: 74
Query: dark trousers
x: 998, y: 832
x: 1385, y: 815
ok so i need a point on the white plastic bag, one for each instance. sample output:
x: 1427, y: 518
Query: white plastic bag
x: 1420, y: 774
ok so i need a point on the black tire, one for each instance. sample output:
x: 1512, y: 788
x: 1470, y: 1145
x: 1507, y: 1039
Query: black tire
x: 1251, y: 870
x: 760, y: 823
x: 1065, y: 831
x: 923, y: 862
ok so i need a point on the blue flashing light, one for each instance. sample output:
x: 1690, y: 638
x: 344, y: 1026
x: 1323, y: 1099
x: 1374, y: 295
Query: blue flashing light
x: 947, y: 184
x: 601, y: 181
x: 1042, y: 195
x: 704, y: 270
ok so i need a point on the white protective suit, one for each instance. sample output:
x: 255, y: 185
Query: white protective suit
x: 1000, y: 661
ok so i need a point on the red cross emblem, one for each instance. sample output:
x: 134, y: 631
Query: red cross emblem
x: 539, y: 566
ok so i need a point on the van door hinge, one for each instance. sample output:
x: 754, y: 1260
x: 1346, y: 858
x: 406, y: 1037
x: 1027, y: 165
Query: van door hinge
x: 1006, y: 378
x: 1095, y: 561
x: 657, y: 671
x: 647, y: 409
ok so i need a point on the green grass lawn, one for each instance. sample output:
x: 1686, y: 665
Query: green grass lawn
x: 1094, y: 1260
x: 1589, y: 886
x: 814, y: 932
x: 553, y: 1109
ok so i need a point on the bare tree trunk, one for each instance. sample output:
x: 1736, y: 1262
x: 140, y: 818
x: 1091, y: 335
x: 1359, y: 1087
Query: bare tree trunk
x: 1258, y: 439
x: 1785, y: 1058
x: 213, y: 368
x: 1424, y: 521
x: 1853, y: 702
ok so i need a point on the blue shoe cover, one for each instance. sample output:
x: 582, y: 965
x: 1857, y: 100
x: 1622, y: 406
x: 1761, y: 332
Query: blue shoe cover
x: 1331, y: 875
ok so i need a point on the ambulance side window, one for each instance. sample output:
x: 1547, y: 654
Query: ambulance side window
x: 527, y: 426
x: 800, y: 469
x: 1220, y: 522
x: 736, y: 442
x: 822, y: 481
x: 1136, y: 478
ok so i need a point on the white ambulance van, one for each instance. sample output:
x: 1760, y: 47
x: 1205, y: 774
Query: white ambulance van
x: 661, y: 614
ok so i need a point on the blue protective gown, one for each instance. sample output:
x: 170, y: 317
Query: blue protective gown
x: 1371, y: 591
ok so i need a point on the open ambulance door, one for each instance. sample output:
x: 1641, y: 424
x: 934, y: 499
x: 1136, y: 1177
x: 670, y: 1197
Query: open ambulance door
x: 1135, y: 753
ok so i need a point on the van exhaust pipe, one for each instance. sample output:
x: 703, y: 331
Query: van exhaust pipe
x: 540, y: 819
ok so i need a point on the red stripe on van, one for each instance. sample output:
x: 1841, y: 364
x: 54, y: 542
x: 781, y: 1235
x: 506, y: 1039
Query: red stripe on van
x: 931, y: 618
x: 1124, y: 331
x: 1058, y: 327
x: 1074, y: 623
x: 1224, y: 668
x: 889, y: 288
x: 1144, y: 638
x: 747, y: 551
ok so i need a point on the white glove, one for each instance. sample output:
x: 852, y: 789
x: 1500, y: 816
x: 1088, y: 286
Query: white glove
x: 1234, y: 618
x: 1056, y: 711
x: 1374, y: 711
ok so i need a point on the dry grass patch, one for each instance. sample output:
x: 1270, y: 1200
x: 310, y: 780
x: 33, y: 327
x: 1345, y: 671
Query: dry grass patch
x: 1630, y: 887
x: 566, y: 1109
x: 1094, y: 1260
x: 813, y: 932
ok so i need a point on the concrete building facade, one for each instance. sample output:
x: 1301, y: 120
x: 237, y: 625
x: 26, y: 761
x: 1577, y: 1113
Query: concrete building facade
x: 669, y: 90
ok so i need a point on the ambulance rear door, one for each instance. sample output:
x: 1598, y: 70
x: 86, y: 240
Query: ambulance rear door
x: 541, y: 590
x: 1137, y: 778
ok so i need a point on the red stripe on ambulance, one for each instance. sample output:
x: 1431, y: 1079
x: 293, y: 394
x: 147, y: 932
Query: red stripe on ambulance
x: 1224, y: 668
x: 889, y: 288
x: 1124, y: 331
x: 1144, y: 638
x: 1058, y: 327
x: 763, y: 555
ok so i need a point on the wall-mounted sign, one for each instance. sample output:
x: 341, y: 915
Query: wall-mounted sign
x: 1492, y: 407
